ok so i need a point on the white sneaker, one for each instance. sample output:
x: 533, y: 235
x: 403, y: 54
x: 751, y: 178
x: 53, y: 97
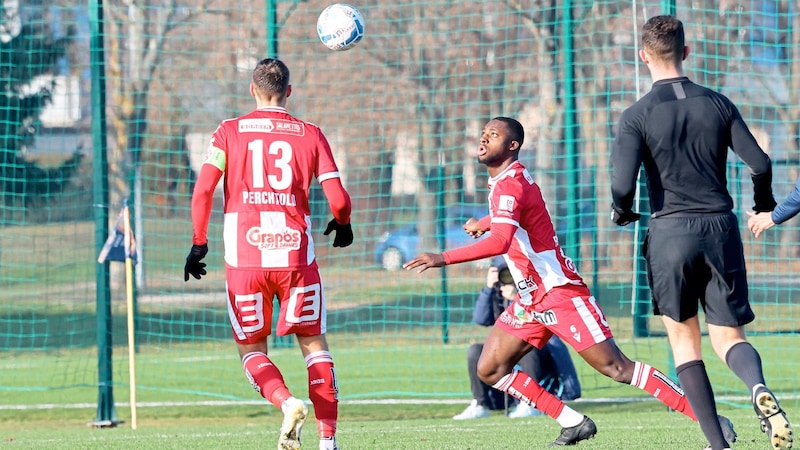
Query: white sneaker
x: 523, y: 410
x: 294, y: 415
x: 328, y: 443
x: 473, y: 411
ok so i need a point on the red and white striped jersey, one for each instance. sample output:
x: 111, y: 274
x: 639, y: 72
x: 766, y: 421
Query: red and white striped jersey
x: 535, y: 258
x: 269, y: 159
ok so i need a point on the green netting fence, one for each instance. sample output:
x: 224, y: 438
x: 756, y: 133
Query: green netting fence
x: 105, y: 101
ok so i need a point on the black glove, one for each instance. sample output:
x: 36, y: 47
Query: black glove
x: 344, y: 233
x: 193, y: 265
x: 623, y: 218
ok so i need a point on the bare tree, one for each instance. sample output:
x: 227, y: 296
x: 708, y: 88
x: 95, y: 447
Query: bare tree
x: 138, y: 34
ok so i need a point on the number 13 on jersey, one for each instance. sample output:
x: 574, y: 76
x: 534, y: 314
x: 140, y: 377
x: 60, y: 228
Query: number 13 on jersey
x: 282, y: 178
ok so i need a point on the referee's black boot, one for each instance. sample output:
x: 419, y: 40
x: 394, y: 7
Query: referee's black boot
x: 773, y: 420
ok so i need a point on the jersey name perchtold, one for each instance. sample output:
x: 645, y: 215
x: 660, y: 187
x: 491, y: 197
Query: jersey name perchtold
x: 268, y: 198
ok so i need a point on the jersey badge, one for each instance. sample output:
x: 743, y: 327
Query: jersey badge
x: 506, y: 203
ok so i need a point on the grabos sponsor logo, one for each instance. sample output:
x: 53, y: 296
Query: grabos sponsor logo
x: 288, y: 239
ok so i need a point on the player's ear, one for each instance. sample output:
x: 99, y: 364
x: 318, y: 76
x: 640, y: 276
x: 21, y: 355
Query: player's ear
x: 643, y: 56
x: 685, y: 52
x: 252, y: 90
x: 288, y: 91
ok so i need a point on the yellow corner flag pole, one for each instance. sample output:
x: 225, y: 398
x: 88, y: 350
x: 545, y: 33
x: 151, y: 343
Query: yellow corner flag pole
x: 129, y: 295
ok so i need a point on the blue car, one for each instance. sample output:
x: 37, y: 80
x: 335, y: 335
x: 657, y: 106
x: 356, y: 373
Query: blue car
x: 397, y: 246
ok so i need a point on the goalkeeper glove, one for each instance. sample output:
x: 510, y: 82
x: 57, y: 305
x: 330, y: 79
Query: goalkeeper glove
x: 193, y: 265
x: 344, y: 233
x: 623, y: 218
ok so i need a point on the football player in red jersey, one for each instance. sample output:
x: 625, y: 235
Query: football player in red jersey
x: 552, y: 297
x: 269, y: 159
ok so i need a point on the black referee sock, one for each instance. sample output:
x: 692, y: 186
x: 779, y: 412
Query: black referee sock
x: 745, y: 362
x: 697, y: 387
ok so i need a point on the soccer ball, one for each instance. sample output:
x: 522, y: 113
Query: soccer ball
x: 340, y: 26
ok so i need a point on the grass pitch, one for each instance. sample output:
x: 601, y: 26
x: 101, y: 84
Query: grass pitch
x: 632, y: 425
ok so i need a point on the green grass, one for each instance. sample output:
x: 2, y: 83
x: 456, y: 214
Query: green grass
x: 368, y: 369
x: 634, y: 425
x: 386, y: 334
x: 369, y: 365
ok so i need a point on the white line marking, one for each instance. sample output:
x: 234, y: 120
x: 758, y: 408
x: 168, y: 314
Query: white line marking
x: 388, y: 401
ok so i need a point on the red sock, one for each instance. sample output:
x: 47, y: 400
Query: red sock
x: 323, y: 392
x: 523, y: 387
x: 265, y: 378
x: 650, y: 379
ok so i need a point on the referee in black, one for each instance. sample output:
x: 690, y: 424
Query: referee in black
x: 681, y: 132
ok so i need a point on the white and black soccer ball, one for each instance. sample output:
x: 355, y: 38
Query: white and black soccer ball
x: 340, y: 26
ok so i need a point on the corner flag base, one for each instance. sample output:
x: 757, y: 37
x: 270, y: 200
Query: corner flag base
x: 105, y: 423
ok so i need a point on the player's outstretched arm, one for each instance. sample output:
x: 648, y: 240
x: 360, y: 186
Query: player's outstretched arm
x: 495, y: 244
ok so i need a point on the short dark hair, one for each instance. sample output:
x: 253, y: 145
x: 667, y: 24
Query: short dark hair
x: 271, y: 76
x: 663, y: 38
x: 517, y: 132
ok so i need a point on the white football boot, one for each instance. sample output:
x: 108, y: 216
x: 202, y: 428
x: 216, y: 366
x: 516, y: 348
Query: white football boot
x: 294, y: 415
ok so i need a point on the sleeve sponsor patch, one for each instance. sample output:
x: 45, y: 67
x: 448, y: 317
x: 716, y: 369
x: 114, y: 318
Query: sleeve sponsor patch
x: 506, y: 203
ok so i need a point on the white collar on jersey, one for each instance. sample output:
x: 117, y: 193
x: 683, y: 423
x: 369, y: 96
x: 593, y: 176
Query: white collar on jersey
x: 508, y: 171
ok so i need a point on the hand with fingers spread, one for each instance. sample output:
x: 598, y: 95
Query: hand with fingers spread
x: 425, y: 261
x: 344, y: 233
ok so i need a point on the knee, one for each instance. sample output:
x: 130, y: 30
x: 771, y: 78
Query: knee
x: 618, y: 370
x: 488, y: 372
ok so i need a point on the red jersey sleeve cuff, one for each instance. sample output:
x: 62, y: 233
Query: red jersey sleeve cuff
x: 485, y: 223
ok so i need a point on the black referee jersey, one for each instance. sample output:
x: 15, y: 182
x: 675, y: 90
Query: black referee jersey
x: 681, y: 131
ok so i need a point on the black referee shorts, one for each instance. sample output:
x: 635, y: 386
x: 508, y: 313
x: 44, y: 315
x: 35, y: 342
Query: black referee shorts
x: 698, y: 259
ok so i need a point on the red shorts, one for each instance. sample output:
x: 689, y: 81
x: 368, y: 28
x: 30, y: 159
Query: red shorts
x: 250, y: 303
x: 570, y: 312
